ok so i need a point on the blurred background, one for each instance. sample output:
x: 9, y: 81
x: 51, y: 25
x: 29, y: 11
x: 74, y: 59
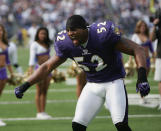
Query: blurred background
x: 22, y: 18
x: 19, y: 16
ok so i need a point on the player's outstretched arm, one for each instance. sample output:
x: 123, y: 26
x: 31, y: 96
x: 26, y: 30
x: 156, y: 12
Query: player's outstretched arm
x: 41, y: 73
x: 131, y: 48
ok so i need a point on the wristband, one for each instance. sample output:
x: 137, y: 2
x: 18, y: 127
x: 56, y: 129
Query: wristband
x: 24, y: 86
x: 142, y: 77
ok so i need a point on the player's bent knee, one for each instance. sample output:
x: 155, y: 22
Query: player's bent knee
x: 122, y: 126
x: 78, y: 127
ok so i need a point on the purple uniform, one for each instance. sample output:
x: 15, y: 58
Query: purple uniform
x: 98, y: 58
x: 149, y: 45
x: 3, y: 71
x: 5, y: 52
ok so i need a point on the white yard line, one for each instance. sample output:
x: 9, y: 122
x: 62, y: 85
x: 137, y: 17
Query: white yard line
x: 50, y: 90
x: 70, y: 118
x: 133, y: 99
x: 30, y: 102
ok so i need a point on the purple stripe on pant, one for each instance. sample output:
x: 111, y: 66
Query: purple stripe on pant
x: 3, y: 73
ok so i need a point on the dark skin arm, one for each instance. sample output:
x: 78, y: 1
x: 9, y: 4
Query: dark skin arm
x: 131, y: 48
x: 44, y: 70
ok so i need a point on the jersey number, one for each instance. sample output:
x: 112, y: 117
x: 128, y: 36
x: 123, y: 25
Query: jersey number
x: 101, y: 29
x: 95, y: 58
x: 60, y: 36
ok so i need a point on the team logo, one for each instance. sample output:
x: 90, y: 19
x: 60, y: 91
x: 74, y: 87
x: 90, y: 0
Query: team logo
x: 117, y: 30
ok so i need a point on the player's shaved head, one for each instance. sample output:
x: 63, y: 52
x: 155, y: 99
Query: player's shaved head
x: 76, y: 21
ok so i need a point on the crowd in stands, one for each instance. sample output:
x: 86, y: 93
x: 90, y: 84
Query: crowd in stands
x: 20, y: 14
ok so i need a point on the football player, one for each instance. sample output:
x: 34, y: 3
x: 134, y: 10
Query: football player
x: 96, y: 49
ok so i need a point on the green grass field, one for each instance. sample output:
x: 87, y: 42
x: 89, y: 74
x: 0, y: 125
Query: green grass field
x: 20, y: 114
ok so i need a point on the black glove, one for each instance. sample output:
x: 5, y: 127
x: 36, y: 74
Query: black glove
x: 21, y: 89
x: 142, y: 84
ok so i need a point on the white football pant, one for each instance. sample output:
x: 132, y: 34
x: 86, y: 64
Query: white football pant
x: 94, y: 95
